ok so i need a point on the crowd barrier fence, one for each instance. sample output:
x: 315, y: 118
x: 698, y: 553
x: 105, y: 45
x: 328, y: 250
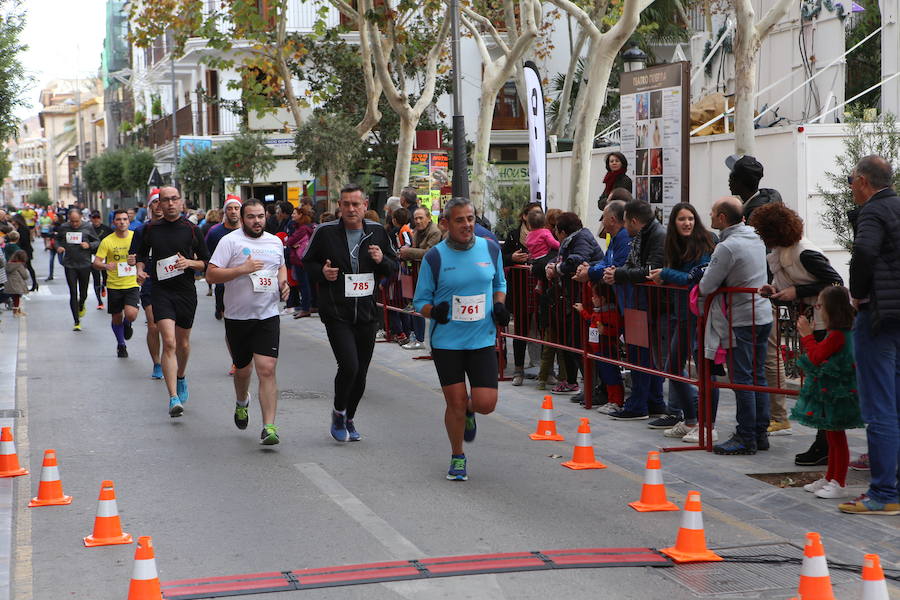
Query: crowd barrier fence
x: 648, y: 333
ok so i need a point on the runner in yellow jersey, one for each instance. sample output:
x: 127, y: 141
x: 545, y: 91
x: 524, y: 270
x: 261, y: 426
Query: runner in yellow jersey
x: 121, y: 284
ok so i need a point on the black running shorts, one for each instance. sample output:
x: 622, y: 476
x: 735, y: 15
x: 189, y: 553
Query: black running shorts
x: 453, y: 366
x: 117, y: 300
x: 247, y: 337
x: 146, y: 289
x: 176, y: 305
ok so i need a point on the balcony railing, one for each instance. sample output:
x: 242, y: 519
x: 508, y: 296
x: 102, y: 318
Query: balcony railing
x: 160, y: 131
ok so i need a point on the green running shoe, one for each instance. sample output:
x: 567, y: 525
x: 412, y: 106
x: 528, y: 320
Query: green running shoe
x: 471, y: 429
x: 269, y: 436
x: 457, y: 470
x: 241, y: 415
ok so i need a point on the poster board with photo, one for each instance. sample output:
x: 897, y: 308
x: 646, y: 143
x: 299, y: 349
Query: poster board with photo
x: 655, y: 121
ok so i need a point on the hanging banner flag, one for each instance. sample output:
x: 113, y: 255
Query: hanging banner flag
x: 537, y: 135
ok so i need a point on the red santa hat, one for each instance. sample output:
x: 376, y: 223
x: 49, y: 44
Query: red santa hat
x: 231, y: 199
x: 154, y: 195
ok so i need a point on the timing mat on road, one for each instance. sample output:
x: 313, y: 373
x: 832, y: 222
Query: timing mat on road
x: 405, y: 570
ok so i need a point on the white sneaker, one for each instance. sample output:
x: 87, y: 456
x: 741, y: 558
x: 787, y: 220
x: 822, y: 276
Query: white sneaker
x: 679, y: 431
x: 816, y: 485
x: 833, y: 490
x: 380, y: 335
x: 287, y: 312
x: 608, y: 408
x: 413, y: 345
x: 693, y: 436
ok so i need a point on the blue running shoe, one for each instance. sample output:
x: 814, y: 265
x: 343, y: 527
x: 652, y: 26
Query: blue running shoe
x: 181, y: 387
x: 339, y: 427
x: 471, y: 428
x: 176, y: 408
x: 457, y: 470
x: 351, y: 430
x: 157, y: 372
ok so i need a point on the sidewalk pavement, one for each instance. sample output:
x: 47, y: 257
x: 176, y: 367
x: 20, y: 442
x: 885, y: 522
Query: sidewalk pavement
x: 786, y: 513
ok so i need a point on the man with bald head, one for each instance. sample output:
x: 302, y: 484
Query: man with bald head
x: 177, y: 251
x: 875, y: 288
x: 739, y: 260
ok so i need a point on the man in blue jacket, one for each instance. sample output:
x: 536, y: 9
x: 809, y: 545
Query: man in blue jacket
x: 875, y: 288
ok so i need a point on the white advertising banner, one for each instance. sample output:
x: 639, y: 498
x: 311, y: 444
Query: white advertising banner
x: 537, y: 135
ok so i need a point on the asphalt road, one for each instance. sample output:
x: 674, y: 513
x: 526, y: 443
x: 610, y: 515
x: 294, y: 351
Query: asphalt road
x: 217, y: 503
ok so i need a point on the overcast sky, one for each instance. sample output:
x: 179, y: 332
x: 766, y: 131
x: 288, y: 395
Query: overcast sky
x: 65, y: 40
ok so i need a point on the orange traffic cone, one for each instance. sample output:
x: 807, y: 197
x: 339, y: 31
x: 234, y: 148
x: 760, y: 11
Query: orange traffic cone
x: 815, y: 583
x: 653, y: 493
x: 144, y: 578
x: 874, y: 585
x: 9, y: 460
x: 546, y: 427
x: 690, y: 545
x: 107, y: 527
x: 50, y: 490
x: 583, y: 458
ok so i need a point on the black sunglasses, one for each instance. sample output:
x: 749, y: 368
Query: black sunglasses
x: 850, y: 179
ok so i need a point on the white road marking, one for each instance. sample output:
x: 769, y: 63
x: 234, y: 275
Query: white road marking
x: 480, y: 587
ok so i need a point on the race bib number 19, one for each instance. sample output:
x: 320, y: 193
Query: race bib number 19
x: 468, y: 308
x: 264, y: 281
x: 358, y: 285
x: 73, y: 237
x: 165, y: 268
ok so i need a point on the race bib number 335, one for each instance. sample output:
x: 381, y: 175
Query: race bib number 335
x: 264, y: 281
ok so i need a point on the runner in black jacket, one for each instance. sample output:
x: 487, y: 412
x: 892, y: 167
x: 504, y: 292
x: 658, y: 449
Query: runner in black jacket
x: 347, y: 258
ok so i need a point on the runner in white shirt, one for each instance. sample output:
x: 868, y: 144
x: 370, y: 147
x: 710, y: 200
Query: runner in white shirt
x: 250, y: 262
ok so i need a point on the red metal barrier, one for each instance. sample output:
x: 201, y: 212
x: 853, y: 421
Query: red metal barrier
x: 654, y: 335
x: 396, y: 298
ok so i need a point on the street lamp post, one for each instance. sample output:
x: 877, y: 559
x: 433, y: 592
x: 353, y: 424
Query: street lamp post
x: 634, y: 58
x: 460, y: 163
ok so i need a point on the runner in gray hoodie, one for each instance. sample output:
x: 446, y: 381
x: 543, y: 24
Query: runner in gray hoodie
x: 78, y: 240
x: 739, y: 260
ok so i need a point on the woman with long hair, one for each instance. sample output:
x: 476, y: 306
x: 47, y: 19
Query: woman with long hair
x: 799, y: 272
x: 688, y: 245
x: 302, y: 217
x: 516, y: 253
x: 26, y: 245
x: 616, y: 166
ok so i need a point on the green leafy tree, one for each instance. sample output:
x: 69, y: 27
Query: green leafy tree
x: 138, y: 165
x: 14, y: 82
x: 263, y: 57
x: 90, y: 173
x: 332, y: 75
x: 109, y: 171
x: 5, y: 164
x: 200, y: 171
x: 880, y: 137
x: 247, y: 158
x: 40, y: 198
x: 328, y: 145
x: 864, y: 63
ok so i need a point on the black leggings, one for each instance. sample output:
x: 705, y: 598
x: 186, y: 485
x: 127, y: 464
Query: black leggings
x: 31, y: 274
x: 77, y: 279
x: 99, y: 276
x: 352, y: 346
